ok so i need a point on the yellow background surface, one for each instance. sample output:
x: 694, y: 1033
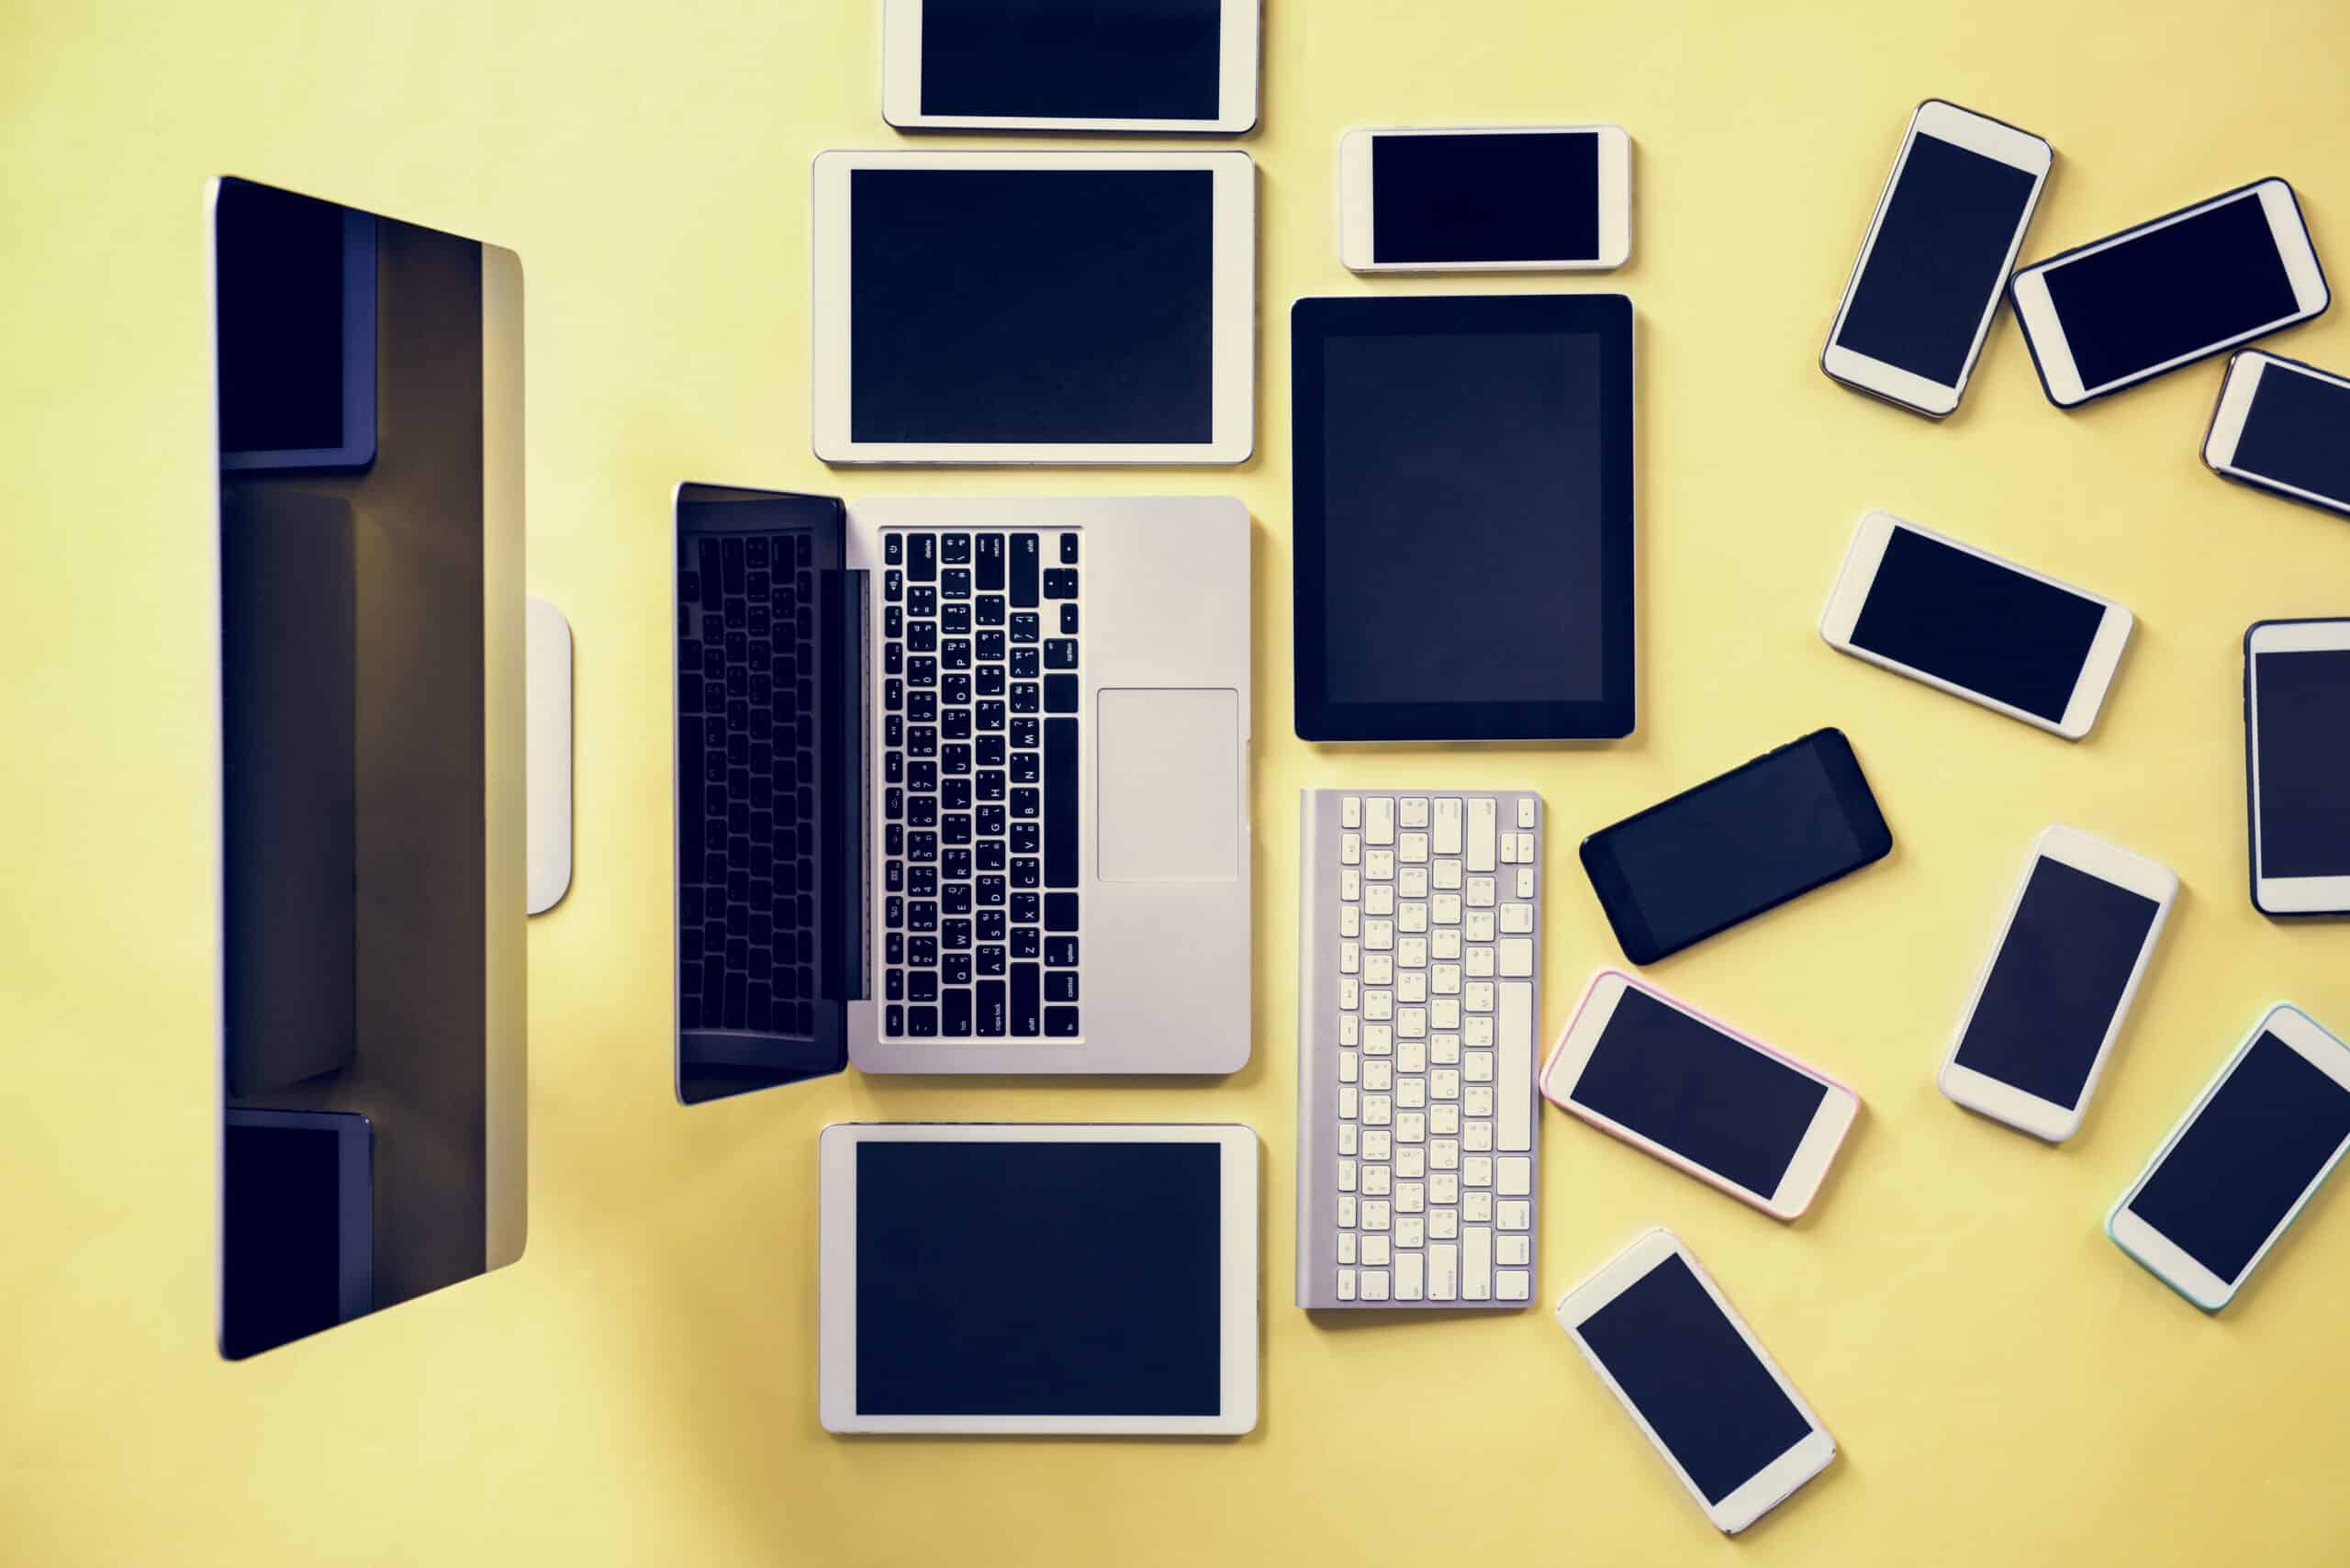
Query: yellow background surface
x: 2004, y: 1386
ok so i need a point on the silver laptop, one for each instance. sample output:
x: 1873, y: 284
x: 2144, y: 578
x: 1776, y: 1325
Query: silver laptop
x: 961, y: 786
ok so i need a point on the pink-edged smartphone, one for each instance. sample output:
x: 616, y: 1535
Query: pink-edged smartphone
x: 1697, y: 1094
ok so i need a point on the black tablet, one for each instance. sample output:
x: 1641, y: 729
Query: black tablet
x: 1462, y: 505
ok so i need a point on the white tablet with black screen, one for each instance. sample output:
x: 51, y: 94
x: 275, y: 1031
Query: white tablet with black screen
x: 1070, y: 1279
x: 1035, y: 306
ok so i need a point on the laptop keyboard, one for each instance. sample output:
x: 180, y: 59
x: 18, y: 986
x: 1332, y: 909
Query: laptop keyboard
x: 746, y: 871
x: 980, y: 663
x: 1416, y: 1068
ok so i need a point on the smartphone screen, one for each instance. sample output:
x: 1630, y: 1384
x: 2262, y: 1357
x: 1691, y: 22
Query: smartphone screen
x: 1977, y: 624
x: 1703, y: 1093
x: 2294, y: 432
x: 2301, y: 754
x: 2171, y: 292
x: 2243, y: 1164
x: 1728, y: 849
x: 1939, y: 258
x: 1530, y: 196
x: 2056, y: 983
x: 1680, y: 1362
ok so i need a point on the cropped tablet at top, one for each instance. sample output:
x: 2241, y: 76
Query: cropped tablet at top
x: 1035, y: 306
x: 1095, y: 1278
x: 1463, y: 512
x: 1169, y: 65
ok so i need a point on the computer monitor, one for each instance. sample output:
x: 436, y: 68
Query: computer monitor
x: 372, y: 745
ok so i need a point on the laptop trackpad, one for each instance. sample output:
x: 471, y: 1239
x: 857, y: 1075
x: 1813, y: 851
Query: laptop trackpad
x: 1170, y: 796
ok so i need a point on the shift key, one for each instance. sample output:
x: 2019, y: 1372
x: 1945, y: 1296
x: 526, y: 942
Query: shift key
x: 1027, y: 1001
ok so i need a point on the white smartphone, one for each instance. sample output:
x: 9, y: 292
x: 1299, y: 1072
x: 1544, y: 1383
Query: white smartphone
x: 1485, y: 198
x: 1936, y: 258
x: 1698, y: 1095
x: 1665, y: 1341
x: 2051, y: 999
x: 1970, y: 623
x: 2280, y: 425
x: 1174, y: 66
x: 2125, y: 308
x: 2238, y: 1169
x: 2296, y: 765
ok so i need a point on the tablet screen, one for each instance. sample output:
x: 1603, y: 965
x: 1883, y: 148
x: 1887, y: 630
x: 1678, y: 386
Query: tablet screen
x: 1053, y: 60
x: 1464, y: 490
x: 1040, y: 1279
x: 1032, y: 306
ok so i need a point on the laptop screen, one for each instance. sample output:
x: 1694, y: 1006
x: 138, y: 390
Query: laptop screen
x: 1039, y: 1279
x: 768, y: 931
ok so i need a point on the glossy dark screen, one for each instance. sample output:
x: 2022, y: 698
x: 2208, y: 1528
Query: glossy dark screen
x: 1977, y: 624
x: 1530, y: 197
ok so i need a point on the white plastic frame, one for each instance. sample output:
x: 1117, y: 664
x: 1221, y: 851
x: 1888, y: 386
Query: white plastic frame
x: 1858, y: 575
x: 2285, y: 895
x: 837, y: 1281
x: 1814, y: 1152
x: 1775, y: 1482
x: 1234, y: 377
x: 1978, y: 134
x: 2003, y: 1101
x: 1357, y: 216
x: 2045, y: 331
x: 2165, y: 1258
x: 901, y: 25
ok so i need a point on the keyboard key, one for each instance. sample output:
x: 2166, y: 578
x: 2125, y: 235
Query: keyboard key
x: 955, y: 1013
x: 921, y: 559
x: 1061, y: 952
x: 1060, y: 911
x: 1060, y: 583
x: 1060, y: 694
x: 1023, y: 572
x: 987, y: 553
x: 1068, y: 555
x: 991, y: 1021
x: 1027, y: 993
x: 1060, y: 1023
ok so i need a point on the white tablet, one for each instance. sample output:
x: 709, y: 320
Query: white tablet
x: 1050, y: 65
x: 1035, y: 306
x: 1070, y: 1279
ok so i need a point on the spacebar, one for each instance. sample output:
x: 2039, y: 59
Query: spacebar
x: 1060, y: 802
x: 1514, y: 1069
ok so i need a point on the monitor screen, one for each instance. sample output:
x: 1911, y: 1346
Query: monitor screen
x: 2172, y: 291
x: 1708, y: 1096
x: 295, y: 323
x: 1040, y: 1279
x: 2302, y: 752
x: 1979, y: 625
x: 1041, y: 305
x: 287, y: 1264
x: 2245, y: 1161
x: 2294, y: 432
x: 1940, y: 256
x: 2056, y: 981
x: 1073, y: 59
x: 1685, y: 1368
x: 1523, y: 196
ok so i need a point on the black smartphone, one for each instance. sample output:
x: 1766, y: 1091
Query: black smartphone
x: 1790, y: 820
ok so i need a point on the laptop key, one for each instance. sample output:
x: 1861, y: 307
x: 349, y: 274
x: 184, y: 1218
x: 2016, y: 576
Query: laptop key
x: 1060, y: 1023
x: 1061, y: 952
x: 987, y: 555
x: 1024, y: 571
x: 1027, y: 996
x: 922, y: 1023
x: 1068, y: 549
x: 1060, y: 911
x: 990, y: 1020
x: 955, y: 1013
x: 1060, y: 985
x: 1060, y: 802
x: 921, y: 559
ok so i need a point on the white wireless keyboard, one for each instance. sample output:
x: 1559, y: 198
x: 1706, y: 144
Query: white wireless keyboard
x: 1419, y: 944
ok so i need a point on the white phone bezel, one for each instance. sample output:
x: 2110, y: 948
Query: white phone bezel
x: 1769, y: 1486
x: 1814, y: 1152
x: 1858, y: 575
x: 1237, y: 46
x: 1989, y: 139
x: 2092, y: 857
x: 2046, y: 331
x: 1356, y: 217
x: 1232, y: 436
x: 837, y: 1280
x: 2165, y: 1258
x: 2285, y: 895
x: 2246, y: 367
